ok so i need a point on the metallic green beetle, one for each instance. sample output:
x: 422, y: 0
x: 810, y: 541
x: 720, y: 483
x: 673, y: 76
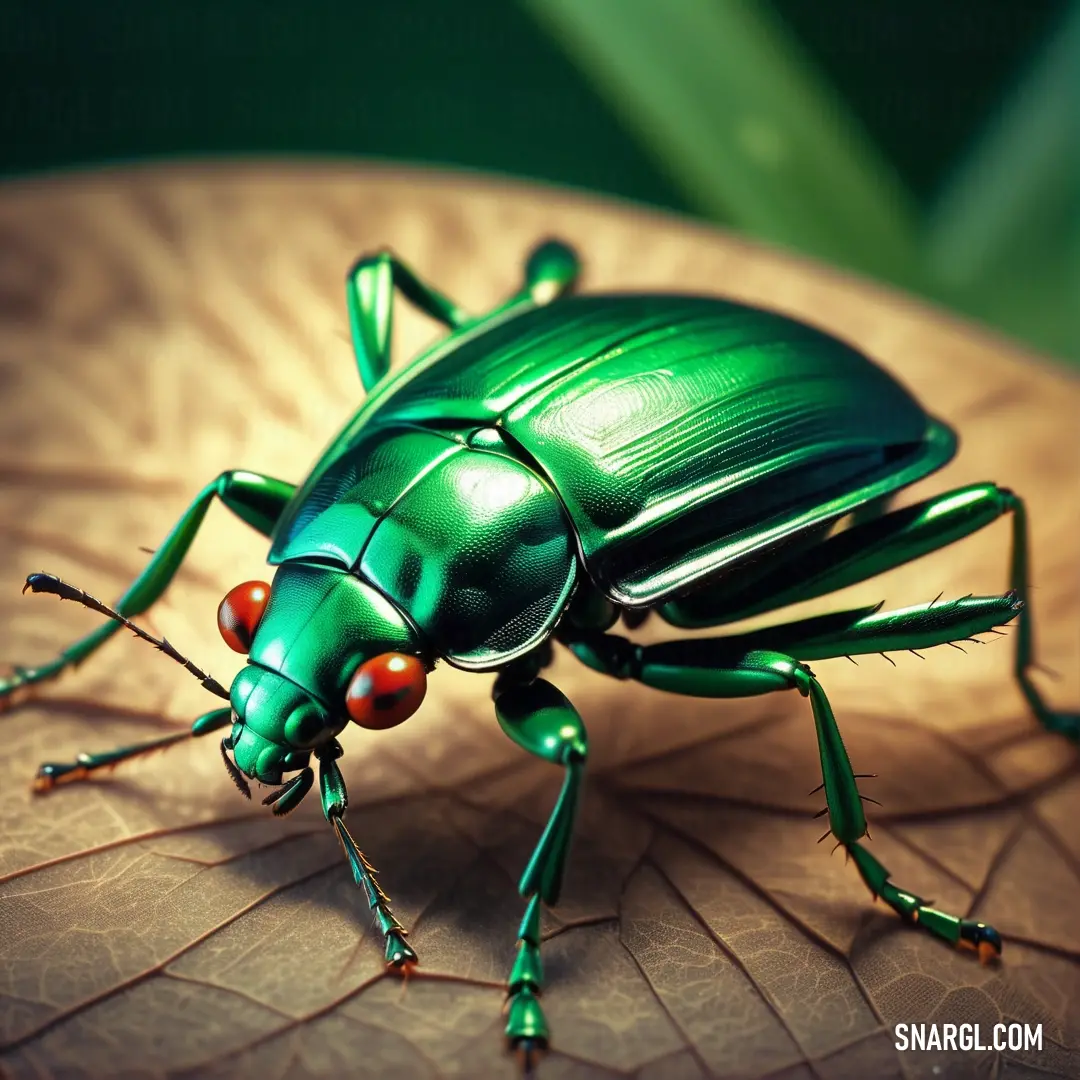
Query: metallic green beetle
x: 548, y: 469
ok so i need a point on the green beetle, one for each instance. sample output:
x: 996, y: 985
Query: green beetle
x: 548, y: 469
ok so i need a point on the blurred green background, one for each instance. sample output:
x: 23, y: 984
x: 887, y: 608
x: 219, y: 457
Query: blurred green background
x: 928, y: 143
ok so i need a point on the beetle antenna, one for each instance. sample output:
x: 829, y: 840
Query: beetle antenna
x: 49, y: 583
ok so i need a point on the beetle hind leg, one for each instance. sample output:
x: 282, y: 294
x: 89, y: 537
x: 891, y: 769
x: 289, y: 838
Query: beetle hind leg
x: 1062, y: 722
x: 550, y: 270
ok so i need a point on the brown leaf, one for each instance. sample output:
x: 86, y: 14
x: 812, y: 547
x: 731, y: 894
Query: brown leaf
x: 162, y: 325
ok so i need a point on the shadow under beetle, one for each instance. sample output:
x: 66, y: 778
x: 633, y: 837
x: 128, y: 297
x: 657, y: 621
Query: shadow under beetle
x: 546, y: 470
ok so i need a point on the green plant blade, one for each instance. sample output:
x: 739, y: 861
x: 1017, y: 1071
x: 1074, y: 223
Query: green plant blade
x: 736, y: 116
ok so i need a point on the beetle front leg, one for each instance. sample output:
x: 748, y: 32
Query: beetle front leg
x: 335, y: 800
x: 719, y: 668
x: 255, y: 499
x: 86, y: 765
x: 540, y: 719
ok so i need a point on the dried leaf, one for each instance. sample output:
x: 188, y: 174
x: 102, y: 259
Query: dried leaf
x: 161, y: 325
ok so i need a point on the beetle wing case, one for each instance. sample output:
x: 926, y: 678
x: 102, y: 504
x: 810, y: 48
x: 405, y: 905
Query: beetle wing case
x: 684, y: 435
x: 708, y: 432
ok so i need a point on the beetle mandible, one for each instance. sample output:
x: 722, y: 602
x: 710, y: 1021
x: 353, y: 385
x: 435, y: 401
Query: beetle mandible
x: 548, y: 469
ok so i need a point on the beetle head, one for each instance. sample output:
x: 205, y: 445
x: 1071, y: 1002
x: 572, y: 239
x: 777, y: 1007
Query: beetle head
x: 323, y: 648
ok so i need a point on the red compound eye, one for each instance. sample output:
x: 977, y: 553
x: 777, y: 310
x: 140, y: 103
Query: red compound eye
x: 238, y: 615
x: 386, y: 690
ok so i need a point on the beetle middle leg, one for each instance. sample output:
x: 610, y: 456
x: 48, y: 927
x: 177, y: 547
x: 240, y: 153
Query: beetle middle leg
x: 750, y: 664
x: 335, y: 800
x: 255, y: 499
x: 537, y: 716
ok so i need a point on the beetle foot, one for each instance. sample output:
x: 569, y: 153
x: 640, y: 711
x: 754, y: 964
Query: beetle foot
x: 49, y: 775
x: 529, y: 1053
x: 981, y: 938
x: 398, y: 952
x: 526, y: 1027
